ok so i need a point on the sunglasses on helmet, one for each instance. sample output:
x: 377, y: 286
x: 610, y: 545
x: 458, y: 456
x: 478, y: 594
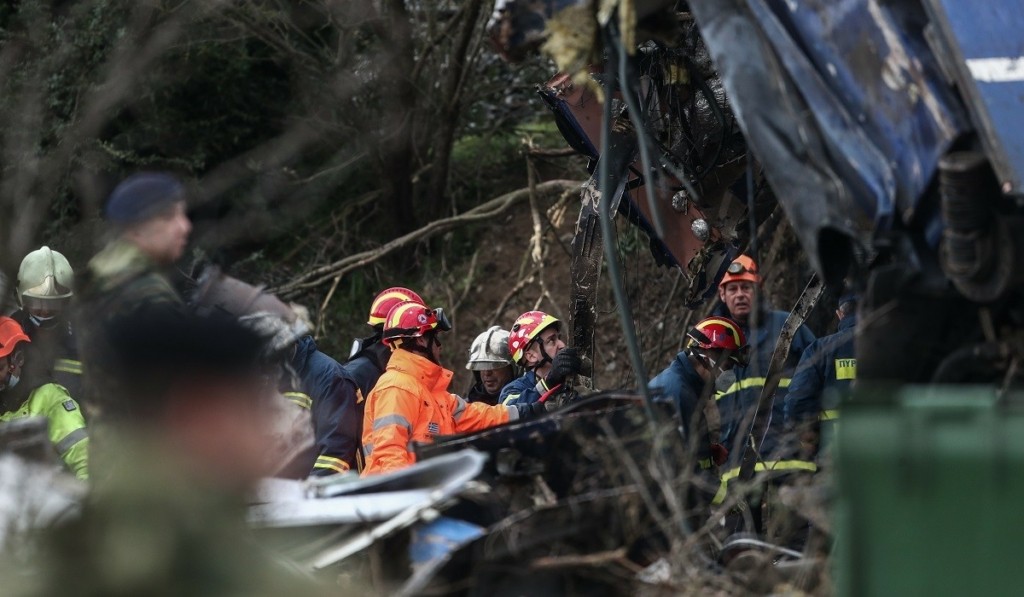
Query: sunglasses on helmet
x: 738, y: 268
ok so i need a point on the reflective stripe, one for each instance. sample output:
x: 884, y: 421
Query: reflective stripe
x: 510, y: 398
x: 829, y: 415
x: 70, y: 440
x: 460, y: 408
x: 367, y: 450
x: 513, y: 413
x: 68, y: 366
x: 760, y: 467
x: 382, y: 422
x: 299, y: 398
x: 750, y: 382
x: 330, y: 462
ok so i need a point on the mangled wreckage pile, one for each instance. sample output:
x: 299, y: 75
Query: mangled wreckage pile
x: 889, y: 135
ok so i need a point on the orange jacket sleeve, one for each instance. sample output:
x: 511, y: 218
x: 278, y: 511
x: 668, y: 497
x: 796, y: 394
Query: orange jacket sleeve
x: 477, y: 415
x: 386, y: 437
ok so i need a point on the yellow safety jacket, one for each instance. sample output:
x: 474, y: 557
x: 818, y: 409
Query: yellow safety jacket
x: 67, y: 426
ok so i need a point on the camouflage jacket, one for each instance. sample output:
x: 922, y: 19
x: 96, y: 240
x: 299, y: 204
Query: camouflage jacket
x: 121, y: 285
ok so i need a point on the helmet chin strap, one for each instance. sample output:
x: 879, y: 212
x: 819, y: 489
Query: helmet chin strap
x: 545, y: 357
x: 428, y: 350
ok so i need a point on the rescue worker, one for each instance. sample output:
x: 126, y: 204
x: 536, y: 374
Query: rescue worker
x: 739, y: 292
x: 23, y: 396
x: 535, y: 343
x: 332, y: 396
x: 127, y: 280
x: 823, y: 380
x: 411, y: 402
x: 45, y: 288
x: 370, y: 355
x: 715, y: 344
x: 491, y: 364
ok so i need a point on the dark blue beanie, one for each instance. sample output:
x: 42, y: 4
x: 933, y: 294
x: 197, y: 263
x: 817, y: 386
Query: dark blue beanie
x: 142, y: 196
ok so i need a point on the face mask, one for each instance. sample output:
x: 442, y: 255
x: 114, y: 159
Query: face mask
x: 12, y: 380
x: 40, y: 320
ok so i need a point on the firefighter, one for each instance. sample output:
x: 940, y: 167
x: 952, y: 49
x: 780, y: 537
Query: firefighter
x: 823, y: 379
x: 739, y: 293
x: 370, y: 355
x: 127, y: 280
x: 411, y: 402
x: 23, y: 396
x: 331, y: 394
x: 535, y: 343
x: 491, y: 364
x: 713, y: 345
x: 45, y: 288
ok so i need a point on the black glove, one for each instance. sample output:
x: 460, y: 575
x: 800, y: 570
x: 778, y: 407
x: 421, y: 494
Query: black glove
x: 567, y: 362
x: 535, y: 409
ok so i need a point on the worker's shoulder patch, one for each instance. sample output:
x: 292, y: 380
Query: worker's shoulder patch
x: 69, y: 405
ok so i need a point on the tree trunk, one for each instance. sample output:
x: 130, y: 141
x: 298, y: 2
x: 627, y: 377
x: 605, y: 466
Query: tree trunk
x: 451, y: 104
x: 399, y: 113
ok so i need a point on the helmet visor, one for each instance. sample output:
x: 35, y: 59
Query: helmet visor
x: 443, y: 324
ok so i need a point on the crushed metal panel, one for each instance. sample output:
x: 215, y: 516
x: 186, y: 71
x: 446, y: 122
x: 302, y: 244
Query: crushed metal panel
x: 987, y: 58
x: 846, y: 150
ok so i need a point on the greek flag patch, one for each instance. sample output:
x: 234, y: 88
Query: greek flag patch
x: 69, y: 405
x: 433, y: 428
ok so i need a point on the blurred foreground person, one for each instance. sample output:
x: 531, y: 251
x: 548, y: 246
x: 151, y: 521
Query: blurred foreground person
x: 535, y: 344
x: 411, y: 402
x: 24, y: 395
x: 321, y: 394
x: 491, y: 364
x: 169, y: 517
x: 45, y: 289
x: 127, y: 280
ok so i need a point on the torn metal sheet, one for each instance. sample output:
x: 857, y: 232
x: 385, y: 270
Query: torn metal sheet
x: 348, y: 499
x: 983, y: 51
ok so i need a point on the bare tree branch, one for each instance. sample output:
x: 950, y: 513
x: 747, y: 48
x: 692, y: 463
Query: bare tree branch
x: 488, y: 210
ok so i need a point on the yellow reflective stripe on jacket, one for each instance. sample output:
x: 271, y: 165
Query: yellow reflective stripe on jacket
x: 760, y: 467
x: 750, y: 382
x: 829, y: 415
x: 68, y: 366
x: 331, y: 463
x: 299, y: 398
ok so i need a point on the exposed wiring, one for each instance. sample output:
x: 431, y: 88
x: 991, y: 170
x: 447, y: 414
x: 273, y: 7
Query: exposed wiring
x: 611, y: 255
x: 628, y: 94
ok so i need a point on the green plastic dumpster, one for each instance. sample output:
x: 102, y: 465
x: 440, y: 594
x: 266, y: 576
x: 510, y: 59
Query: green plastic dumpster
x: 931, y: 492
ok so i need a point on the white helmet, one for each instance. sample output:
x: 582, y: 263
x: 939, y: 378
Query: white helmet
x: 45, y: 279
x: 489, y: 350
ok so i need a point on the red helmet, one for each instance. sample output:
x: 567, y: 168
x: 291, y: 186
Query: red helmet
x: 525, y: 329
x: 723, y: 333
x: 10, y: 335
x: 742, y: 269
x: 410, y: 319
x: 387, y: 299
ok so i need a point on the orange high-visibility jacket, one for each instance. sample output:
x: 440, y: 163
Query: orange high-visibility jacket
x: 411, y: 403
